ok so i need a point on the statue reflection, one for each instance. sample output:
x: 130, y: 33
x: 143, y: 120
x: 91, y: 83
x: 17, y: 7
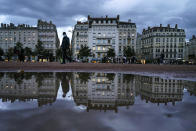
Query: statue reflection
x: 65, y: 83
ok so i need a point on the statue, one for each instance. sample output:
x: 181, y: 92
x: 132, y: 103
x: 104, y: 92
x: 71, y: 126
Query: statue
x: 65, y: 47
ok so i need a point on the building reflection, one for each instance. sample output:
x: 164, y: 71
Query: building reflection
x: 158, y: 90
x: 191, y: 87
x: 29, y: 86
x: 101, y: 91
x: 96, y: 91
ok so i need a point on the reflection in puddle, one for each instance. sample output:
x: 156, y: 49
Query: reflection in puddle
x: 95, y: 91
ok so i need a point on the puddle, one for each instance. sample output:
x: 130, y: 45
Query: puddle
x: 95, y: 101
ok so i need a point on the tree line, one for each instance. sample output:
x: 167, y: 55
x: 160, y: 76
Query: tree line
x: 19, y: 52
x: 85, y: 52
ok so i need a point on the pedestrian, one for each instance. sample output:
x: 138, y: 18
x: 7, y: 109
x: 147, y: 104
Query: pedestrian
x: 65, y: 47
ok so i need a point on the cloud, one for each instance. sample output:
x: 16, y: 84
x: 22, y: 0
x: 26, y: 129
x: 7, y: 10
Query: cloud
x: 65, y: 13
x: 67, y: 29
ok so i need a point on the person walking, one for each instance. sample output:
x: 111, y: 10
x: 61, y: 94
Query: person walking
x: 65, y: 47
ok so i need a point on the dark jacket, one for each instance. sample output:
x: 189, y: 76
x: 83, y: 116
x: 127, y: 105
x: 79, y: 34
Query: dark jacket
x: 65, y: 44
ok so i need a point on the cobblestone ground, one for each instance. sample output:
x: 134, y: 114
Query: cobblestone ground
x: 54, y: 66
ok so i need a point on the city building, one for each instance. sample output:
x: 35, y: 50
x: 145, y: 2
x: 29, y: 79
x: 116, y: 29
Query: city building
x: 79, y: 37
x: 163, y: 40
x: 102, y: 33
x: 11, y: 34
x: 47, y: 34
x: 138, y: 46
x: 29, y: 36
x: 190, y: 52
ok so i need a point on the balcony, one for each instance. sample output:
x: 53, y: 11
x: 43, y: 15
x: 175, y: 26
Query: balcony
x: 103, y: 44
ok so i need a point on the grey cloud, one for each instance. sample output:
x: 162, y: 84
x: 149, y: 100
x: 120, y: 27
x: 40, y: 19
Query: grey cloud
x: 144, y: 13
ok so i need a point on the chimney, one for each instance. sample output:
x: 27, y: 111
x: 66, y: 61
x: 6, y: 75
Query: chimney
x: 129, y: 21
x: 176, y: 26
x: 161, y: 25
x: 168, y: 25
x: 89, y: 17
x: 118, y: 17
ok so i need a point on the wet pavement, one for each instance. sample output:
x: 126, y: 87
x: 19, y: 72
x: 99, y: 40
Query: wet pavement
x: 95, y: 101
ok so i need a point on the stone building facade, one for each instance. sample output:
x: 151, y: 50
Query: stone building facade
x: 163, y: 40
x: 47, y: 34
x: 79, y: 37
x: 190, y: 52
x: 28, y: 36
x: 11, y: 34
x: 103, y: 33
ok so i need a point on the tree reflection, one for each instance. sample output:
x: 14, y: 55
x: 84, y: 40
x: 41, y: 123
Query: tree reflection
x: 18, y: 77
x: 110, y: 76
x: 128, y: 77
x: 41, y: 76
x: 1, y: 75
x: 84, y: 77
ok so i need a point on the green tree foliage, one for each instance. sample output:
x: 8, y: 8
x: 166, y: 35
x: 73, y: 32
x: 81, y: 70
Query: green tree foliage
x: 110, y: 76
x: 47, y: 54
x: 18, y: 46
x: 28, y: 52
x: 1, y: 52
x: 111, y: 53
x: 39, y: 49
x: 128, y: 52
x: 18, y: 77
x: 10, y: 53
x: 84, y: 77
x: 58, y: 54
x: 19, y: 51
x: 84, y: 52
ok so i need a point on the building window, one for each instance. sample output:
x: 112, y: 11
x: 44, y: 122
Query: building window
x: 99, y: 48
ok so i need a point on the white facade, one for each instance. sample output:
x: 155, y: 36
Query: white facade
x: 190, y: 53
x: 138, y: 46
x: 11, y: 34
x: 79, y: 37
x: 127, y: 36
x: 28, y: 36
x: 47, y: 34
x: 166, y: 40
x: 102, y: 34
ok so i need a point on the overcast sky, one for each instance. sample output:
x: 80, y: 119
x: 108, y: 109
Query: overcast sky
x: 65, y: 13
